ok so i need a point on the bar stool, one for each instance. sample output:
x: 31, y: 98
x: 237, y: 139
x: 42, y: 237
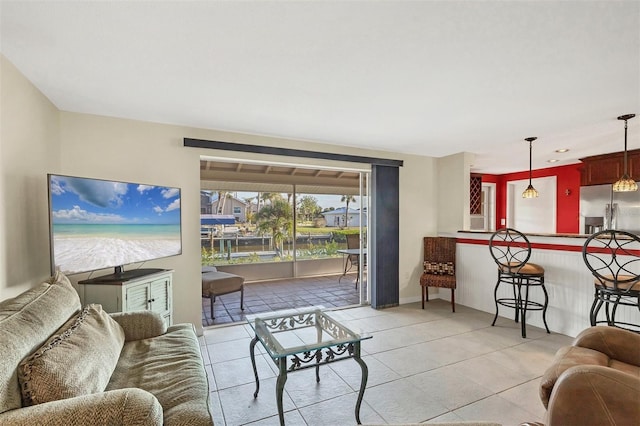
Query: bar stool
x: 511, y: 251
x: 613, y: 257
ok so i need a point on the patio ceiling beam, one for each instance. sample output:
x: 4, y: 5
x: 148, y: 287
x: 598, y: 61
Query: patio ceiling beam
x: 245, y: 176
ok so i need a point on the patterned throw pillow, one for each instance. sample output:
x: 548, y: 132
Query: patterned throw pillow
x: 77, y: 360
x: 439, y: 268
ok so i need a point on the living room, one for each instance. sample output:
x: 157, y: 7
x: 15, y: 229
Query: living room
x: 39, y: 135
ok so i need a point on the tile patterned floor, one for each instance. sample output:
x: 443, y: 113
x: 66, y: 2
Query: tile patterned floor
x: 424, y: 365
x: 282, y: 294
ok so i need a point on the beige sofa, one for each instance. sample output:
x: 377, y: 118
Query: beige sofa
x: 61, y: 364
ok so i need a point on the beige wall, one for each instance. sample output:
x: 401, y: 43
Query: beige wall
x: 453, y: 176
x: 418, y: 218
x: 29, y: 149
x: 111, y: 148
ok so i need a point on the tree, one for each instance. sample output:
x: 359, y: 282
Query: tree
x: 221, y: 196
x: 347, y: 199
x: 308, y: 207
x: 249, y: 213
x: 270, y: 197
x: 276, y: 219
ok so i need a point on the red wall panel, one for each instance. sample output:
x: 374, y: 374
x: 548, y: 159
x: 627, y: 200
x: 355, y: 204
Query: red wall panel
x: 567, y: 194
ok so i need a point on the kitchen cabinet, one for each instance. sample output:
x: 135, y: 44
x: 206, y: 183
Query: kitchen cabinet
x: 151, y: 291
x: 607, y: 168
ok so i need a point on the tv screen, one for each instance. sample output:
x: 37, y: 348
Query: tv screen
x: 97, y: 224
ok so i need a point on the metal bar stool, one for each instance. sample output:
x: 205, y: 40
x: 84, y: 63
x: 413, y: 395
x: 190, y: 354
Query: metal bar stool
x: 613, y: 257
x: 511, y: 251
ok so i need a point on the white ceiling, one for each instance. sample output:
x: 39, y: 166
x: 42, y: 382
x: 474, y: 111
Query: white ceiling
x: 421, y: 77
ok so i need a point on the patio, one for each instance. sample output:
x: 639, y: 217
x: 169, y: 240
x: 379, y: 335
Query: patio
x: 289, y: 293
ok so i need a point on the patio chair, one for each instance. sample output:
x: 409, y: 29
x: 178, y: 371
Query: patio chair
x: 216, y: 283
x: 353, y: 242
x: 439, y: 267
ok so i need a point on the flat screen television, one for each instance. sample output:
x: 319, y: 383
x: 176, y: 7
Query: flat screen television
x: 97, y: 224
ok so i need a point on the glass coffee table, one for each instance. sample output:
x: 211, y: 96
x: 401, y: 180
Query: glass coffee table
x: 305, y: 338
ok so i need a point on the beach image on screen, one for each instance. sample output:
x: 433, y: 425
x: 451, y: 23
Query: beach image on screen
x: 99, y: 224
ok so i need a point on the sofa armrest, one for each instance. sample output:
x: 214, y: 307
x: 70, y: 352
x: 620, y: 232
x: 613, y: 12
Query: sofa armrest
x: 616, y: 343
x: 590, y: 395
x: 566, y: 358
x: 117, y: 407
x: 140, y: 325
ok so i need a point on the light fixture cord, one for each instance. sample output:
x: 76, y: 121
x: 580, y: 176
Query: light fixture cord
x: 625, y: 147
x: 530, y: 153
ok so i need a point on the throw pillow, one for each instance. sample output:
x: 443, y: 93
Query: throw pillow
x: 78, y: 359
x: 439, y: 268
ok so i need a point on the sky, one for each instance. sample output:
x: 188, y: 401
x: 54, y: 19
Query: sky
x: 77, y: 200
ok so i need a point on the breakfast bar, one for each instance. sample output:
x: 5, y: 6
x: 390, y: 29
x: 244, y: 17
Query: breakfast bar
x: 568, y: 281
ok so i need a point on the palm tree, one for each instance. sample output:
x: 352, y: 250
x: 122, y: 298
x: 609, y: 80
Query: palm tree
x: 270, y: 197
x: 276, y: 219
x: 347, y: 199
x: 221, y: 196
x: 249, y: 212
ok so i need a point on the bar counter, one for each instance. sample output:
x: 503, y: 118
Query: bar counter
x: 568, y: 281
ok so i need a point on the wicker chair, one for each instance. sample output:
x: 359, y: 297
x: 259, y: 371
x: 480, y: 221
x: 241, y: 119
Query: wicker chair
x: 439, y: 266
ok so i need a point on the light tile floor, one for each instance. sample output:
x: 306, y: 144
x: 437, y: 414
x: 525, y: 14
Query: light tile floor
x: 424, y: 365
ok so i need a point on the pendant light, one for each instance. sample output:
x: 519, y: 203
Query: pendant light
x: 530, y: 192
x: 625, y: 183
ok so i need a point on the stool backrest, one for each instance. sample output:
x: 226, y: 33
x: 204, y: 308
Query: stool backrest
x: 613, y: 257
x: 510, y: 249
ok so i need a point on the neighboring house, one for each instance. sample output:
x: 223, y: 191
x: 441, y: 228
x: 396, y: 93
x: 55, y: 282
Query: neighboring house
x: 336, y: 218
x: 231, y: 205
x: 205, y: 203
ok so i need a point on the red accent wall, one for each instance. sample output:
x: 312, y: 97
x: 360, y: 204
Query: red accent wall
x: 568, y: 206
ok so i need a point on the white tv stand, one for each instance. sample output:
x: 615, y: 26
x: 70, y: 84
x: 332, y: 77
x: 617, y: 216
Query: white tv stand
x: 134, y: 290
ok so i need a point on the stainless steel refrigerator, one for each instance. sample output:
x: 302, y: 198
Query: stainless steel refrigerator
x: 601, y: 208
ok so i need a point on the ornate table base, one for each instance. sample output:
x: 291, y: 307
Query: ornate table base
x: 342, y: 345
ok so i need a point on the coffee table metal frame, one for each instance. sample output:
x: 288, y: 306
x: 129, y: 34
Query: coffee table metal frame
x: 334, y: 342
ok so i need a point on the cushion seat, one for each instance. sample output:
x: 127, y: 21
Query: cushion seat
x: 632, y: 283
x: 152, y: 365
x: 530, y: 269
x: 216, y: 283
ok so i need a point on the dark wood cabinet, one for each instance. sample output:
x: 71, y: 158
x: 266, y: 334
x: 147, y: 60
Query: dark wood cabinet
x: 607, y: 168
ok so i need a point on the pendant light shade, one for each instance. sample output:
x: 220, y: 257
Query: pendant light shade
x: 530, y: 192
x: 625, y: 183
